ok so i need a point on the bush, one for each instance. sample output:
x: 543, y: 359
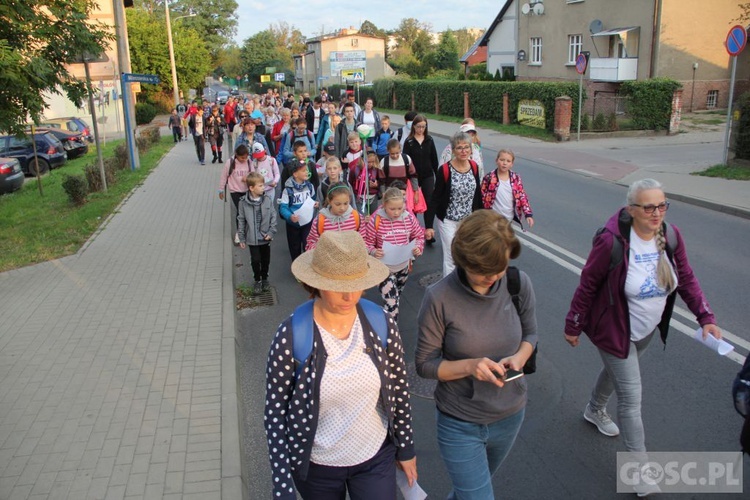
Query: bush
x: 121, y: 156
x: 151, y: 134
x: 142, y: 143
x: 650, y: 103
x: 600, y: 122
x: 612, y: 122
x: 585, y: 122
x: 485, y: 98
x: 76, y: 188
x: 144, y: 113
x: 94, y: 177
x: 742, y: 134
x: 164, y: 103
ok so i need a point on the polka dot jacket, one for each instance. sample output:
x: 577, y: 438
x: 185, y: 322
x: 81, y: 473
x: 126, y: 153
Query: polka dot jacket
x: 291, y: 411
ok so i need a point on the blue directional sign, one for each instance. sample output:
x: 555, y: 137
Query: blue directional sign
x: 736, y: 40
x: 279, y: 77
x: 136, y: 77
x: 581, y: 63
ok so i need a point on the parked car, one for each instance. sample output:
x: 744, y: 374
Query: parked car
x: 11, y: 175
x: 50, y: 151
x: 73, y: 142
x: 235, y: 91
x: 221, y: 97
x: 71, y: 124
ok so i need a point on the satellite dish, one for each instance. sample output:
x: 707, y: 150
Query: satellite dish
x: 595, y: 26
x: 539, y: 9
x: 525, y: 9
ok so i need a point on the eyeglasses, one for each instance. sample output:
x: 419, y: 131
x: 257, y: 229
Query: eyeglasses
x: 420, y: 126
x: 462, y: 148
x: 650, y: 209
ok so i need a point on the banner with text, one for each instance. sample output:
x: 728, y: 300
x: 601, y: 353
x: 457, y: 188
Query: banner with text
x: 531, y: 113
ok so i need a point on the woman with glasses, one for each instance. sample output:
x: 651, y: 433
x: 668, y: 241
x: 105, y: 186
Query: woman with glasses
x: 420, y: 147
x: 457, y: 194
x: 627, y: 291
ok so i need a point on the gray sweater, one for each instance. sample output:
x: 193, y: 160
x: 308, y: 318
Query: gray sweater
x: 256, y: 218
x: 457, y: 323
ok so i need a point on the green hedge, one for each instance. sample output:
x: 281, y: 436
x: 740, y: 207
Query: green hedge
x: 485, y: 98
x: 742, y: 134
x: 144, y: 113
x: 650, y: 103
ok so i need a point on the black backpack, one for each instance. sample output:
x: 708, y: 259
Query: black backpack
x: 615, y: 257
x: 386, y: 162
x: 741, y: 390
x: 514, y: 288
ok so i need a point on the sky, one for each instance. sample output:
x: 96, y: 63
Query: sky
x: 310, y: 16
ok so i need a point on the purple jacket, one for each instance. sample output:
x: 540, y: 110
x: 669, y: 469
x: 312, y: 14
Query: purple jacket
x: 599, y: 306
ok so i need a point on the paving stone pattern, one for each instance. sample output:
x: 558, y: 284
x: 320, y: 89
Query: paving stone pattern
x: 110, y: 360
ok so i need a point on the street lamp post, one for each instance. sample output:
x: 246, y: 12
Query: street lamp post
x: 175, y: 88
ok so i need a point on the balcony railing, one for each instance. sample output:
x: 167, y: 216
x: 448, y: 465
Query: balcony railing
x: 611, y: 69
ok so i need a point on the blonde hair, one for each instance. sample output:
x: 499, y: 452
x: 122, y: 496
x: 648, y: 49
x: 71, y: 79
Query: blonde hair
x: 664, y: 276
x: 507, y: 152
x: 475, y: 139
x: 353, y: 135
x: 484, y: 242
x: 253, y: 179
x: 333, y: 160
x: 393, y: 193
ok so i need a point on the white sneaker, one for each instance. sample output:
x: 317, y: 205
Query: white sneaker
x: 236, y: 239
x: 644, y: 489
x: 602, y: 421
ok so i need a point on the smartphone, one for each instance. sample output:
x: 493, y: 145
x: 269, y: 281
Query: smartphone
x: 510, y: 374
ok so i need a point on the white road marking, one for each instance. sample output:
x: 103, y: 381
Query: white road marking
x: 526, y: 238
x: 588, y: 172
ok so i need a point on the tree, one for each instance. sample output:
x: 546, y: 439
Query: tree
x: 259, y: 51
x: 745, y: 15
x: 288, y: 37
x: 36, y: 38
x: 369, y: 28
x: 446, y: 54
x: 230, y: 62
x: 465, y: 40
x: 422, y: 44
x: 215, y: 20
x: 407, y: 32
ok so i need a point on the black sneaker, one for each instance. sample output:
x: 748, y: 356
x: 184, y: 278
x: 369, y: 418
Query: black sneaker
x: 265, y: 285
x: 258, y: 287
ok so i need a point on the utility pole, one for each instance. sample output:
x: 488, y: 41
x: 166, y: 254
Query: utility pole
x: 123, y: 63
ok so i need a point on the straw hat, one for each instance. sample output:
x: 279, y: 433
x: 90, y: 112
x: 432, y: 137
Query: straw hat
x: 339, y: 263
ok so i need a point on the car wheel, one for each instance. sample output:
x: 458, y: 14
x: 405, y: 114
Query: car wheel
x: 43, y: 167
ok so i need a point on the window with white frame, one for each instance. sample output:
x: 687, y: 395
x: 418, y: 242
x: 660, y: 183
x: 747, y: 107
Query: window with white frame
x: 536, y: 50
x: 575, y: 45
x: 712, y: 98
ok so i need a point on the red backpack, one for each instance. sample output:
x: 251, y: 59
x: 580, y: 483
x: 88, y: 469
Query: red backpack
x: 447, y: 171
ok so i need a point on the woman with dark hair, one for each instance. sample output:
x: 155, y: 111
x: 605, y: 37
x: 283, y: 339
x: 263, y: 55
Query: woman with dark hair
x: 338, y: 420
x: 628, y: 288
x: 420, y: 147
x: 470, y: 334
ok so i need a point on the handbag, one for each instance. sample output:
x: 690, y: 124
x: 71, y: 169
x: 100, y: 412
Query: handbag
x: 420, y: 207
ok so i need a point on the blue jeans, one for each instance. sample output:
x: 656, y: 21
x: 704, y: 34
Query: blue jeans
x: 473, y: 452
x: 624, y: 377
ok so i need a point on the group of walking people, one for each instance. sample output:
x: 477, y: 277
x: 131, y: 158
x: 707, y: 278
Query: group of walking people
x: 338, y: 414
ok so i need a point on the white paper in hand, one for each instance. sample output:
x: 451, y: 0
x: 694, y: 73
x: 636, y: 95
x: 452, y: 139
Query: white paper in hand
x: 394, y: 255
x: 410, y: 492
x: 306, y: 211
x: 717, y: 345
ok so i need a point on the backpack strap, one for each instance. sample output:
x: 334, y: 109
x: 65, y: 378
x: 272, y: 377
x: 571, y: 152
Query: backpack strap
x: 357, y: 219
x: 231, y: 169
x: 321, y: 223
x: 302, y: 329
x: 377, y: 222
x: 446, y: 171
x: 514, y: 286
x: 386, y: 163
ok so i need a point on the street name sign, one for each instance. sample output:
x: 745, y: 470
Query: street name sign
x: 140, y: 78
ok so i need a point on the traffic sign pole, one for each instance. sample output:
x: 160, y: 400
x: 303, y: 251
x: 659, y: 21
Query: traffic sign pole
x: 129, y: 136
x: 725, y: 157
x: 580, y: 106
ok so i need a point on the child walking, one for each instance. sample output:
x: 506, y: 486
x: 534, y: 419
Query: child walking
x: 265, y: 165
x: 257, y: 225
x: 334, y: 175
x: 503, y: 192
x: 297, y: 189
x: 394, y: 225
x: 233, y: 176
x: 337, y: 215
x: 364, y: 178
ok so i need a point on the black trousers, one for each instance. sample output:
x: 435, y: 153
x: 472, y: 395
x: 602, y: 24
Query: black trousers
x: 260, y: 260
x: 236, y: 200
x: 296, y: 238
x: 373, y: 478
x: 427, y: 184
x: 200, y: 147
x: 177, y: 134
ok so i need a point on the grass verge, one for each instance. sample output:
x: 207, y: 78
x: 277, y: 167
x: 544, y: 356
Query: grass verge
x: 519, y: 130
x: 38, y: 228
x: 731, y: 172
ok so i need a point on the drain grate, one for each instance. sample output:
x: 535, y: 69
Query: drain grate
x: 430, y: 279
x: 247, y: 299
x: 418, y: 386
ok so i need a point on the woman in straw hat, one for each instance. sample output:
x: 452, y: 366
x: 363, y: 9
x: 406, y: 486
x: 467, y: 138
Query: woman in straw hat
x: 338, y: 417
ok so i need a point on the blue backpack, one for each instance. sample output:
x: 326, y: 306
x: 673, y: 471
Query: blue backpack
x: 302, y: 329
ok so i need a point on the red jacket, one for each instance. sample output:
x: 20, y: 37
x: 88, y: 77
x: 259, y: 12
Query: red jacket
x: 599, y: 306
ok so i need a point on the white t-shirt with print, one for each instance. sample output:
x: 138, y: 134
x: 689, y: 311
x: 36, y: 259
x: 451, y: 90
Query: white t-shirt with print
x: 503, y: 202
x: 646, y: 299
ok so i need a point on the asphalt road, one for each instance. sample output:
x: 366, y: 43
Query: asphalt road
x: 686, y: 401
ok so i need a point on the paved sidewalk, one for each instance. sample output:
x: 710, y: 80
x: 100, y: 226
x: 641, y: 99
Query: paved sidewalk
x: 669, y: 159
x: 117, y: 364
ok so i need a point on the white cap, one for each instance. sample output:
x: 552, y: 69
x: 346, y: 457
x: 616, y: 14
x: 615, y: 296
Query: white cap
x: 467, y: 127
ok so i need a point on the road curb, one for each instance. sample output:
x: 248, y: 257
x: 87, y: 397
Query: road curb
x: 231, y: 463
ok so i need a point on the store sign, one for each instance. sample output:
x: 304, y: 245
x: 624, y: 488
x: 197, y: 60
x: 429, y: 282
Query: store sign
x: 531, y: 113
x: 347, y: 59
